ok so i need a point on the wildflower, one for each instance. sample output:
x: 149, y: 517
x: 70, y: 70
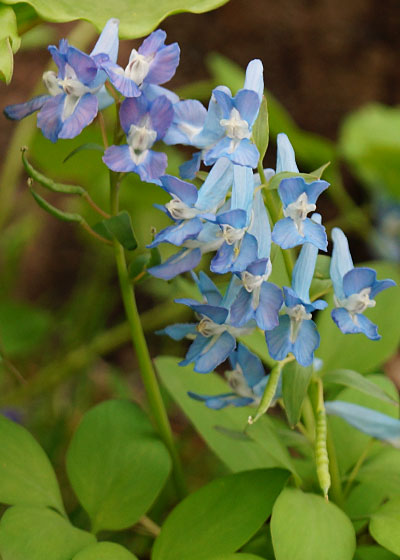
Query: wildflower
x: 144, y: 122
x: 215, y: 337
x: 76, y: 92
x: 247, y: 380
x: 296, y: 332
x: 371, y: 422
x: 299, y: 198
x: 354, y: 289
x: 153, y: 63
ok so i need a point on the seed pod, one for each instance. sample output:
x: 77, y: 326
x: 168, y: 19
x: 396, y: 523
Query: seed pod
x: 321, y: 453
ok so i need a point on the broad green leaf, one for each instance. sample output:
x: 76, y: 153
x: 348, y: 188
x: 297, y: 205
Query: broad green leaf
x: 138, y: 265
x: 356, y: 351
x: 364, y: 500
x: 382, y: 469
x: 355, y: 380
x: 105, y: 551
x: 349, y: 442
x: 137, y: 18
x: 385, y: 525
x: 38, y: 533
x: 373, y: 553
x: 260, y: 132
x: 235, y: 556
x: 295, y: 381
x: 26, y: 475
x: 262, y: 448
x: 9, y: 42
x: 116, y: 464
x: 370, y: 141
x: 121, y: 227
x: 23, y: 327
x: 220, y: 517
x: 307, y: 526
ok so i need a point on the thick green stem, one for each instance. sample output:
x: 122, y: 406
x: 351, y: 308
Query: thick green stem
x: 142, y: 352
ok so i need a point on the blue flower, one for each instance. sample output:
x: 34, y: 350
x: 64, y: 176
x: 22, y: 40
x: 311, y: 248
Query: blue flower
x: 153, y: 63
x: 371, y: 422
x: 296, y: 332
x: 247, y: 380
x: 225, y: 129
x: 299, y: 198
x: 239, y: 247
x: 214, y: 336
x: 144, y: 122
x: 76, y: 92
x: 354, y: 289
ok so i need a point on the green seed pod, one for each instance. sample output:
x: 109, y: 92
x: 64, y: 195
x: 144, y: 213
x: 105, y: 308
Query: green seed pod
x: 321, y: 453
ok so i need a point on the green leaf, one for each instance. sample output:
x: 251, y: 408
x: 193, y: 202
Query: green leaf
x: 38, y: 533
x: 138, y: 265
x: 373, y: 553
x: 84, y: 147
x: 116, y: 464
x: 121, y: 227
x: 23, y: 327
x: 56, y: 212
x: 383, y: 470
x: 295, y: 381
x: 364, y: 500
x: 355, y: 380
x: 26, y: 475
x: 46, y: 181
x: 370, y: 141
x: 262, y: 449
x: 349, y: 442
x: 138, y: 18
x: 9, y: 42
x: 356, y: 351
x: 260, y: 132
x: 307, y: 526
x: 320, y: 171
x: 220, y: 517
x: 105, y: 551
x: 385, y: 525
x: 235, y: 556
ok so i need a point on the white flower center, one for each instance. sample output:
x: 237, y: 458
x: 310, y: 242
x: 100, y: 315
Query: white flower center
x: 140, y: 139
x: 298, y: 211
x: 179, y: 210
x: 208, y: 328
x: 70, y: 85
x: 235, y: 127
x: 138, y: 67
x: 231, y: 234
x: 357, y: 303
x: 252, y: 283
x: 297, y: 315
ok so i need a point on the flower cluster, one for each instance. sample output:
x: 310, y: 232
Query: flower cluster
x: 230, y: 215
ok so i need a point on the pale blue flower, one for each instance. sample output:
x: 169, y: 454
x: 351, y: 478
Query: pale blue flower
x: 296, y: 332
x: 354, y: 289
x: 371, y: 422
x: 247, y: 380
x: 299, y: 198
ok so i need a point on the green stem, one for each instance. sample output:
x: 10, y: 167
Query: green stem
x: 273, y: 211
x: 142, y: 352
x: 357, y: 467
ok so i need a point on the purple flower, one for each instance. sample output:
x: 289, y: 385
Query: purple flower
x: 144, y: 122
x: 76, y: 92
